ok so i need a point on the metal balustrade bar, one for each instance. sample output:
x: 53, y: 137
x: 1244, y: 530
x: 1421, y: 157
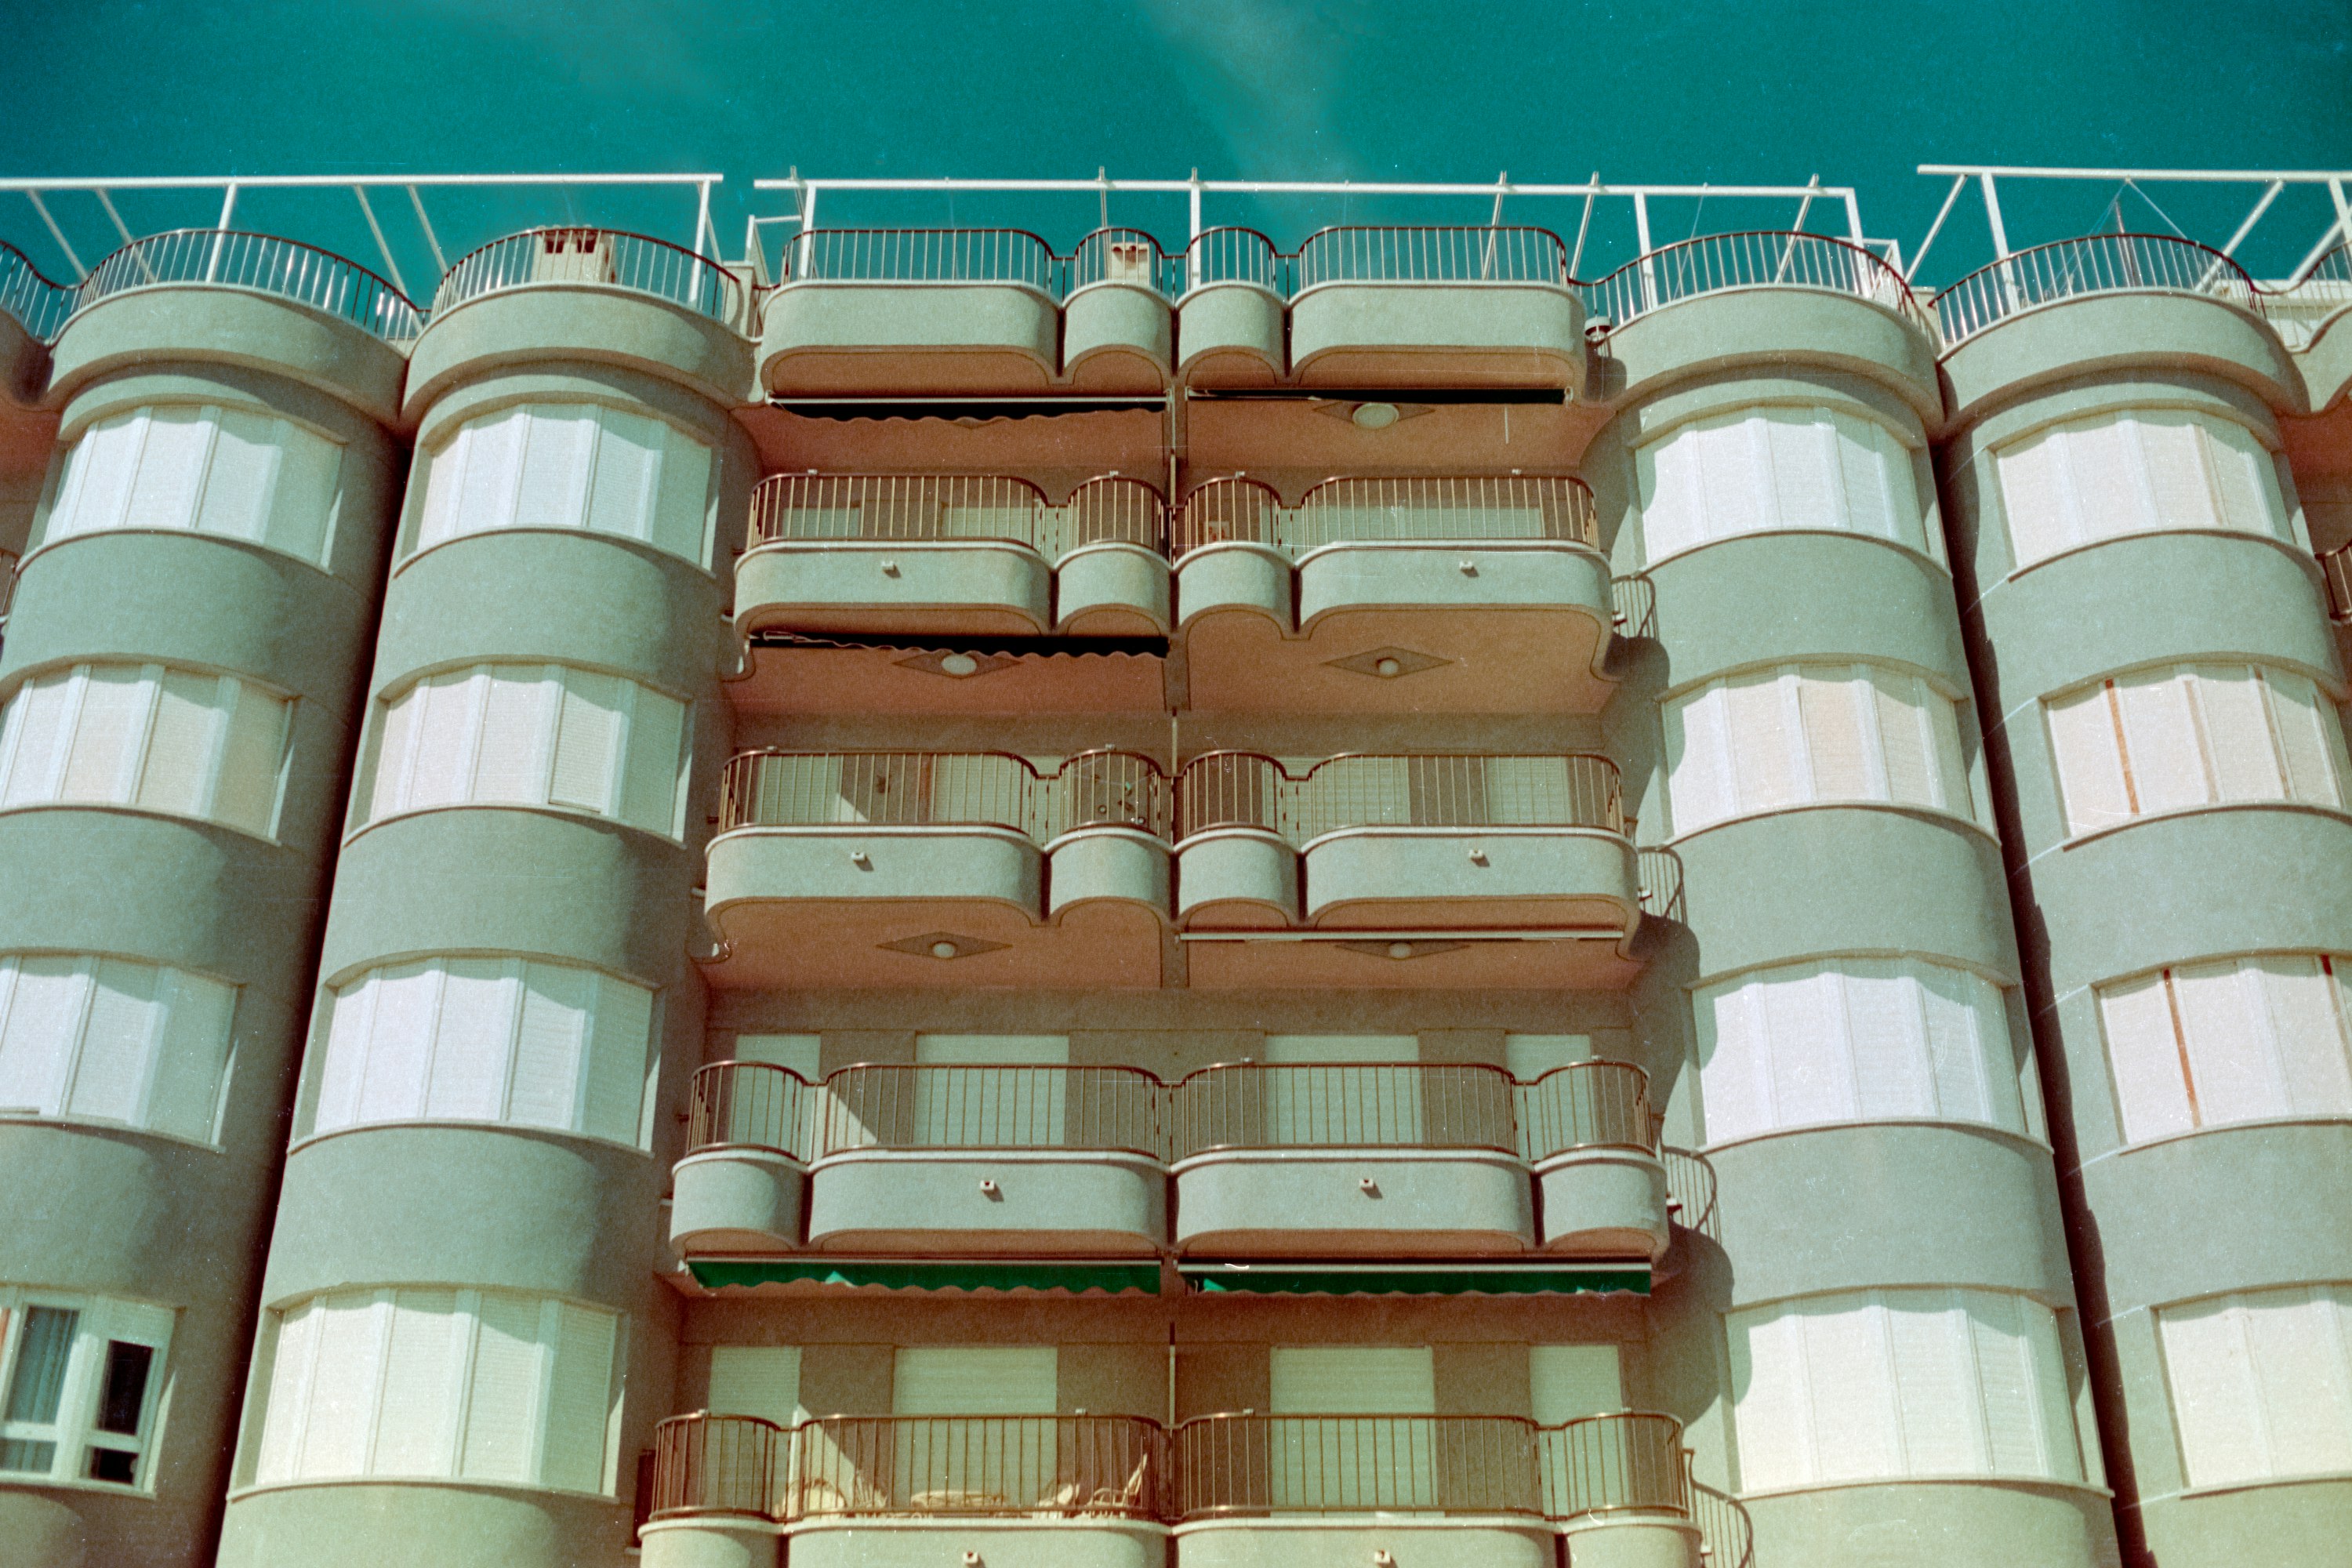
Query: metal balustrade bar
x: 39, y: 305
x: 2096, y: 264
x: 1244, y: 789
x: 963, y: 1106
x: 262, y: 263
x: 1448, y: 508
x: 977, y: 789
x: 1713, y: 263
x: 940, y: 508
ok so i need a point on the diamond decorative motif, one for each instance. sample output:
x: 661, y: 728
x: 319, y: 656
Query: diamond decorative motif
x: 957, y: 665
x: 942, y: 944
x: 1390, y: 663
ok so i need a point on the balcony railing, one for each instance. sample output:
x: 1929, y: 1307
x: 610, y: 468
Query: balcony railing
x: 2322, y: 291
x: 1715, y: 263
x: 1125, y: 255
x: 40, y: 306
x: 2095, y: 264
x: 1610, y: 1463
x: 943, y: 789
x: 706, y: 1462
x: 1431, y: 254
x: 1357, y: 1105
x: 1587, y: 1105
x: 1003, y: 1466
x: 1236, y: 255
x: 1243, y: 789
x: 959, y: 1106
x: 922, y: 508
x: 926, y: 255
x: 2334, y: 567
x: 749, y: 1105
x: 1450, y: 508
x: 602, y: 255
x: 1249, y: 1465
x: 263, y: 263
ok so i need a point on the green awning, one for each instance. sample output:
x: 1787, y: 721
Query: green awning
x: 926, y: 1274
x: 1485, y: 1278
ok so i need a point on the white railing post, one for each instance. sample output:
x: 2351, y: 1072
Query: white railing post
x: 1641, y: 237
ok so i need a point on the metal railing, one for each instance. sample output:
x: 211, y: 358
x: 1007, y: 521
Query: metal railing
x: 749, y: 1105
x: 707, y: 1463
x: 1125, y: 255
x: 2334, y: 568
x: 1587, y: 1105
x: 1715, y: 263
x: 1359, y: 1105
x: 1430, y: 254
x: 1015, y: 1466
x: 2095, y: 264
x: 1244, y: 1464
x: 924, y: 255
x: 1244, y: 789
x: 961, y: 789
x: 922, y: 509
x: 227, y: 258
x: 8, y: 566
x: 1236, y: 255
x: 1727, y: 1537
x: 1608, y: 1463
x: 2324, y: 288
x: 994, y: 1106
x: 609, y: 257
x: 1450, y: 509
x: 39, y: 305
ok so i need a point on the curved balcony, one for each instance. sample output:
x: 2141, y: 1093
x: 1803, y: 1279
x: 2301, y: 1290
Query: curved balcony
x: 1435, y: 307
x: 1460, y: 593
x: 1117, y: 333
x: 738, y: 1188
x: 2300, y: 314
x: 595, y: 258
x: 1721, y: 263
x: 257, y: 263
x: 1031, y: 1160
x: 1342, y: 1160
x: 1406, y: 869
x: 715, y: 1492
x: 1230, y: 314
x: 2094, y: 264
x: 38, y: 305
x: 929, y: 869
x: 950, y: 555
x: 1590, y: 1135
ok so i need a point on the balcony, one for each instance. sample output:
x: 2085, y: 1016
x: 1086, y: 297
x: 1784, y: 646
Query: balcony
x: 924, y: 869
x: 740, y: 1186
x: 880, y: 562
x: 966, y: 311
x: 1729, y: 263
x: 38, y: 305
x: 1591, y: 1137
x: 2077, y: 268
x: 1051, y: 1161
x: 1405, y: 870
x: 1467, y: 594
x: 1239, y: 1489
x: 601, y: 259
x: 1432, y: 307
x: 255, y: 263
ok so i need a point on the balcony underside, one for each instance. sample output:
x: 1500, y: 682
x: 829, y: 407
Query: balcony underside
x: 961, y: 339
x: 914, y: 678
x: 1437, y: 335
x: 1350, y: 1541
x: 1048, y: 1538
x: 1353, y: 1203
x: 1399, y: 658
x: 933, y: 588
x: 1023, y: 1202
x: 1442, y: 962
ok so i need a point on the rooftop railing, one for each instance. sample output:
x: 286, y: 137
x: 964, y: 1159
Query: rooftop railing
x: 1587, y: 1105
x: 1430, y: 254
x: 1236, y: 255
x: 2095, y: 264
x: 964, y: 1106
x: 749, y: 1105
x: 926, y: 255
x: 1357, y: 1105
x: 1448, y: 508
x: 1244, y: 789
x: 1716, y: 263
x: 225, y: 259
x: 2324, y: 288
x: 944, y: 789
x: 999, y: 1465
x: 39, y: 305
x: 611, y: 257
x: 912, y: 508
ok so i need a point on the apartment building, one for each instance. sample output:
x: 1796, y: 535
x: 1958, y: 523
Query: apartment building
x: 939, y: 902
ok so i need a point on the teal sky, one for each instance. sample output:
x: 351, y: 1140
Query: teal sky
x: 1774, y: 90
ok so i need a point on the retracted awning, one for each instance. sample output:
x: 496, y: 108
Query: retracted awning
x: 927, y: 1274
x: 1481, y: 1276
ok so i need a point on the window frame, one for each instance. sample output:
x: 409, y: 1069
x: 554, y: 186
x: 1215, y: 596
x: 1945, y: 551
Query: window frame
x: 152, y: 1057
x: 2336, y: 981
x: 101, y: 1322
x: 2339, y: 1295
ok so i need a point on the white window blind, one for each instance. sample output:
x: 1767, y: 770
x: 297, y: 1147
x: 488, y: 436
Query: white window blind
x: 757, y: 1380
x: 2203, y: 1044
x: 2262, y: 1383
x: 1885, y: 1385
x: 571, y: 465
x: 1855, y: 1040
x: 81, y: 1380
x: 2190, y: 736
x: 432, y: 1383
x: 974, y: 1380
x: 1529, y: 1057
x: 1803, y: 734
x: 535, y: 735
x: 1354, y: 1461
x: 213, y: 470
x: 1565, y: 1382
x: 1344, y: 1089
x: 109, y: 1040
x: 2143, y: 472
x: 1767, y: 468
x: 159, y: 738
x: 515, y: 1040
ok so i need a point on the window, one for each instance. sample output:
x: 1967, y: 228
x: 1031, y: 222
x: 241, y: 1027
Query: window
x: 2194, y: 735
x: 571, y: 465
x: 1566, y: 1381
x: 107, y: 1039
x: 1767, y: 468
x: 228, y: 472
x: 1855, y: 1040
x: 80, y: 1381
x: 1803, y: 735
x: 514, y: 1040
x: 2135, y: 473
x: 757, y: 1380
x: 1357, y: 1462
x: 2262, y: 1383
x: 1004, y: 1458
x: 481, y: 1385
x: 974, y: 1380
x: 530, y: 734
x: 209, y: 746
x: 1352, y: 1090
x: 1885, y: 1385
x: 1017, y: 1096
x: 2204, y: 1045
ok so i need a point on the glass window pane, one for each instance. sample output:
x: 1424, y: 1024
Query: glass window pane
x: 44, y: 1351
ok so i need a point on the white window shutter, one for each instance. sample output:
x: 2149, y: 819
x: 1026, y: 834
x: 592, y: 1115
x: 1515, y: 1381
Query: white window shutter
x: 1773, y: 1410
x: 974, y: 1380
x: 171, y: 468
x: 1735, y: 1066
x: 2301, y: 1378
x: 2311, y: 737
x: 473, y: 1040
x: 2245, y: 761
x: 2144, y: 1054
x: 347, y: 1385
x: 2230, y: 1064
x: 400, y: 1044
x: 1762, y: 747
x: 441, y: 746
x: 1912, y: 747
x: 620, y: 1059
x: 2309, y: 1033
x: 183, y: 744
x: 2173, y: 451
x: 1672, y: 494
x: 253, y: 755
x: 1353, y: 1380
x: 627, y: 474
x: 550, y: 1047
x: 395, y: 746
x: 1892, y: 1072
x: 2110, y: 480
x: 1698, y: 760
x: 1734, y: 476
x: 2083, y: 747
x: 2033, y: 498
x: 757, y: 1380
x: 303, y: 493
x: 2161, y: 748
x: 559, y: 448
x: 285, y: 1416
x: 682, y: 500
x: 1565, y: 1382
x: 1954, y: 791
x: 192, y: 1054
x: 493, y: 473
x: 2013, y: 1417
x: 242, y: 478
x: 2245, y: 479
x: 2216, y: 1405
x: 444, y: 484
x: 504, y: 1407
x: 119, y: 1038
x: 587, y: 743
x: 1849, y: 1362
x: 1834, y: 746
x: 1974, y: 1063
x: 649, y: 783
x: 38, y: 738
x: 1800, y: 448
x: 47, y: 1003
x: 1936, y: 1384
x: 1812, y: 1067
x: 580, y: 1396
x: 518, y: 712
x: 107, y: 734
x: 351, y: 1027
x: 417, y: 1424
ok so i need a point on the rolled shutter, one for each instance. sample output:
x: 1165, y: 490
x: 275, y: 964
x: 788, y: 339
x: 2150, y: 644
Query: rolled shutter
x: 493, y: 473
x: 2085, y: 748
x: 242, y: 479
x: 1761, y: 741
x: 444, y: 485
x: 473, y: 1040
x: 177, y: 775
x: 2172, y: 450
x: 1812, y: 1068
x: 1565, y: 1382
x: 2301, y: 1378
x: 2161, y: 749
x: 286, y: 1416
x: 2109, y: 478
x: 1936, y: 1384
x: 1849, y: 1365
x: 1735, y: 1061
x: 2034, y: 498
x: 350, y: 1023
x: 587, y: 743
x: 417, y: 1426
x: 301, y: 515
x: 682, y: 500
x: 1835, y: 751
x: 2245, y: 760
x: 1954, y: 791
x: 1672, y: 496
x: 757, y: 1380
x: 974, y: 1380
x: 192, y: 1054
x: 649, y: 782
x: 252, y: 754
x: 579, y: 1396
x: 1698, y: 760
x: 2300, y: 995
x: 2000, y: 1325
x: 1800, y: 452
x: 518, y: 710
x: 551, y: 1048
x: 1734, y: 476
x: 558, y: 446
x: 2245, y: 479
x: 395, y: 740
x: 120, y: 1038
x: 2144, y: 1052
x: 620, y: 1057
x: 2230, y: 1062
x: 171, y: 468
x: 628, y: 474
x: 1886, y: 1028
x: 98, y: 474
x: 504, y: 1405
x: 1353, y: 1380
x: 443, y: 739
x: 2216, y: 1407
x: 1772, y: 1413
x: 347, y: 1386
x: 109, y: 730
x: 400, y: 1044
x: 45, y: 1003
x: 2311, y: 737
x: 1911, y: 747
x: 1974, y: 1063
x: 38, y: 738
